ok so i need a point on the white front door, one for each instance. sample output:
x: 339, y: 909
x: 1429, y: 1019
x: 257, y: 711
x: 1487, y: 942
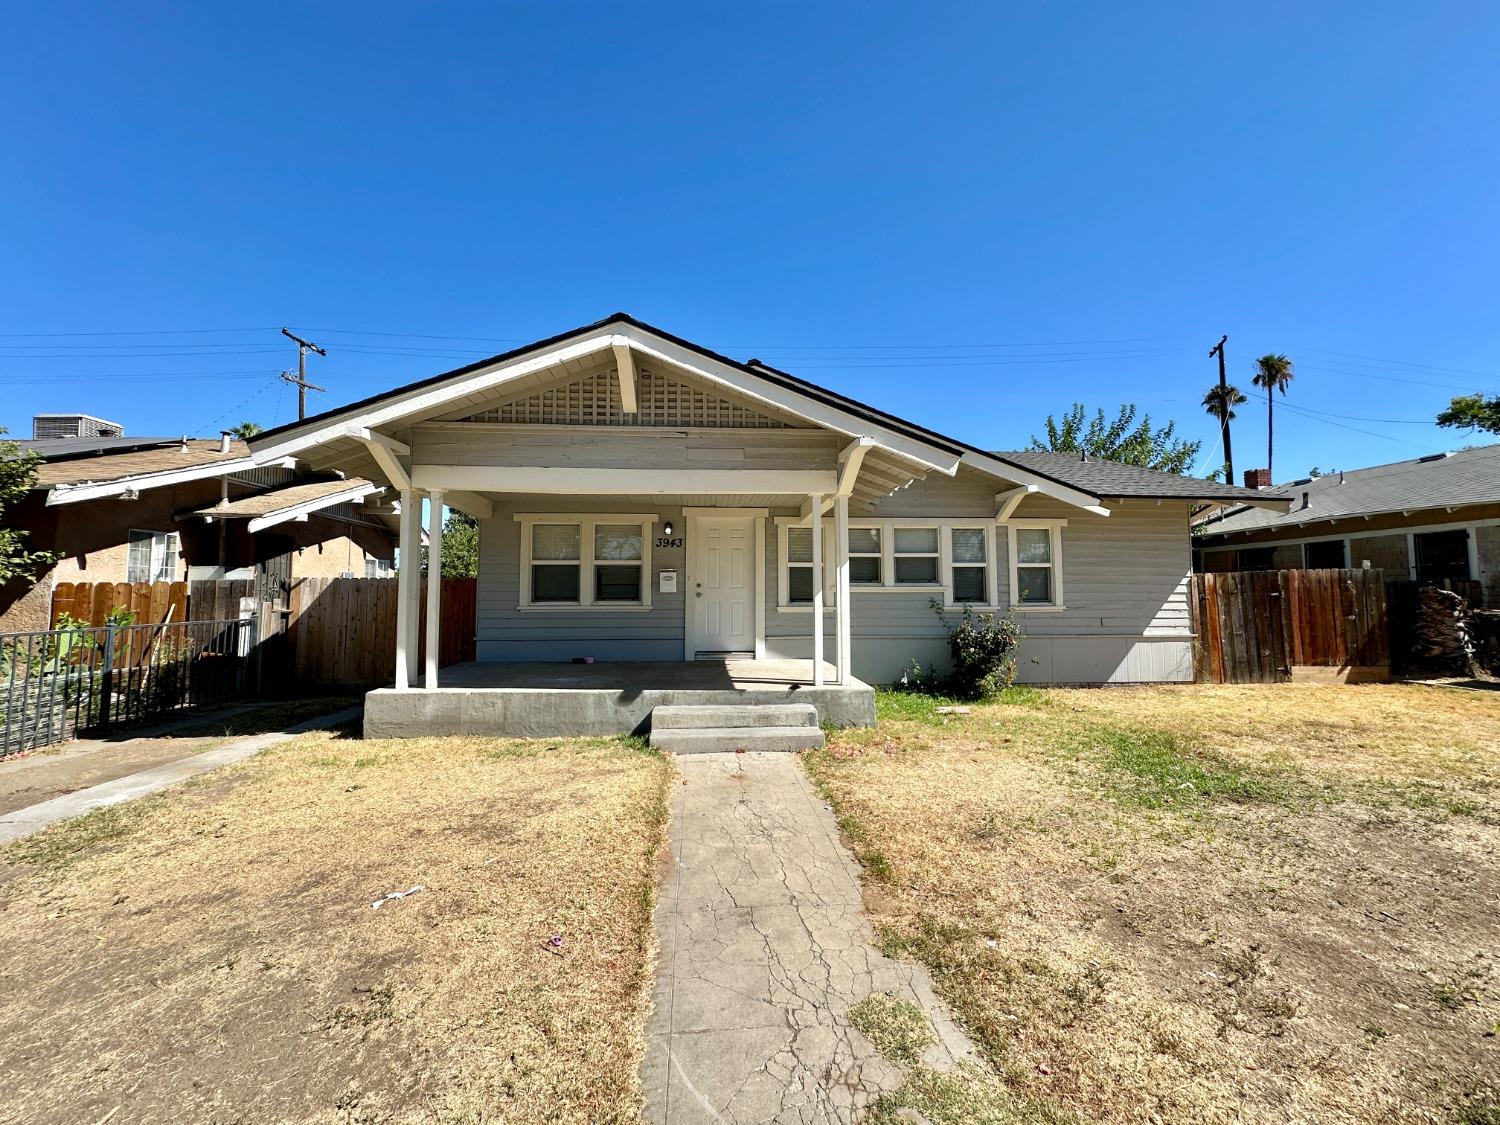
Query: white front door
x: 722, y: 585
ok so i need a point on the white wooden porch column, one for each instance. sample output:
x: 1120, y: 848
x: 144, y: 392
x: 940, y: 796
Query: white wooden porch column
x: 407, y: 576
x: 842, y: 608
x: 434, y: 586
x: 816, y: 500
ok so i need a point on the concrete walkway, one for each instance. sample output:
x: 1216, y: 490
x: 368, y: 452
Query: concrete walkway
x: 765, y: 948
x: 23, y: 822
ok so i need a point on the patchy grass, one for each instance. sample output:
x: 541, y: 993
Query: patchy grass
x: 212, y: 954
x: 1216, y: 905
x: 272, y: 717
x: 898, y: 1028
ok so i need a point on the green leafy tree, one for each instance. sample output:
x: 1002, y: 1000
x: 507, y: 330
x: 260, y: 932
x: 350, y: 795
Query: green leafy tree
x: 1124, y: 439
x: 460, y: 546
x: 1220, y: 403
x: 1472, y: 412
x: 17, y: 477
x: 1273, y: 372
x: 246, y: 430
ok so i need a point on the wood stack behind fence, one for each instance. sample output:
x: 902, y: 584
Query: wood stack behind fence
x: 1269, y: 626
x: 332, y: 631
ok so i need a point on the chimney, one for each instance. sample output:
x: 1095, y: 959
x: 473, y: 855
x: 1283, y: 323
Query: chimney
x: 224, y: 436
x: 1257, y: 478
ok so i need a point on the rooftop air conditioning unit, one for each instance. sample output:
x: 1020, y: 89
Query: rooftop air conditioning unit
x: 73, y: 426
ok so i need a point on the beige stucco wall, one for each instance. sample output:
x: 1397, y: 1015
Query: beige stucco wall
x: 1384, y: 552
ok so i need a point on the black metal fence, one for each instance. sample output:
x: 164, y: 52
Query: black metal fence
x: 77, y: 680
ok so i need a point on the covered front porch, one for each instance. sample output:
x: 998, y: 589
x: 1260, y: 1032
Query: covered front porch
x: 543, y: 699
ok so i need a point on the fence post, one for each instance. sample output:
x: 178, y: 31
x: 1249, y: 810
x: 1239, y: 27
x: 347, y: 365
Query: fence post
x: 106, y: 675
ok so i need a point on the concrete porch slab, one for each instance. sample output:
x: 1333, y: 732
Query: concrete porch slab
x: 536, y: 700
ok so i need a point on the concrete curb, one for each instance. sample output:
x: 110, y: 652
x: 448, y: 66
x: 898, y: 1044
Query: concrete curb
x: 24, y: 822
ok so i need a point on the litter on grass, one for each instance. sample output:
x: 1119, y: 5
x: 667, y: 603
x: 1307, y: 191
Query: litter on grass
x: 383, y: 899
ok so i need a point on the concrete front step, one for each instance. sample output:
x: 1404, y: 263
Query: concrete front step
x: 691, y: 717
x: 726, y: 740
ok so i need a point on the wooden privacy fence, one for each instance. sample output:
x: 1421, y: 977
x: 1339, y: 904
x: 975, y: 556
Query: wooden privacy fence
x: 1269, y: 626
x: 331, y: 631
x: 343, y: 630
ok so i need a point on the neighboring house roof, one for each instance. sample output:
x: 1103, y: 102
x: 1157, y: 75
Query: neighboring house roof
x: 70, y: 476
x: 898, y: 437
x: 1446, y: 480
x: 58, y: 449
x: 111, y: 466
x: 266, y: 509
x: 1112, y: 479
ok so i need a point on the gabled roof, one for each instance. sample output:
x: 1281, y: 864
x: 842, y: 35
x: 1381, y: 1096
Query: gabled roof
x: 1447, y: 480
x: 754, y: 379
x: 1112, y: 479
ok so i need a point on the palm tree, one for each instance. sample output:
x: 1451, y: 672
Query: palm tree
x: 246, y: 430
x: 1220, y: 401
x: 1273, y: 372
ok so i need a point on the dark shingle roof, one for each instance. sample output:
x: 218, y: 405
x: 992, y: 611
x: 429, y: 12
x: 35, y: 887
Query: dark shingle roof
x: 1112, y: 479
x: 1470, y: 476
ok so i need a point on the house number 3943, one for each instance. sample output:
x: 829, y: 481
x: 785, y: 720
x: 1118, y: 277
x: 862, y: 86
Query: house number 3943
x: 669, y: 541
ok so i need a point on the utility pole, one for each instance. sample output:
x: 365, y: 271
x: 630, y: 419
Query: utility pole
x: 1218, y: 350
x: 301, y: 383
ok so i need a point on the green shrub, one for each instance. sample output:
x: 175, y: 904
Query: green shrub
x: 982, y: 648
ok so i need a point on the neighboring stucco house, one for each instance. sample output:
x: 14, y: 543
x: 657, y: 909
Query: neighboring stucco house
x: 1431, y: 518
x: 147, y: 509
x: 642, y: 498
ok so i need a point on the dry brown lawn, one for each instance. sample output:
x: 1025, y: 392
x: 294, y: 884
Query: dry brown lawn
x: 1247, y: 904
x: 212, y: 954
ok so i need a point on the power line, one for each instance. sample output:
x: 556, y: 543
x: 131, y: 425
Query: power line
x: 1356, y: 429
x: 1406, y: 363
x: 142, y: 332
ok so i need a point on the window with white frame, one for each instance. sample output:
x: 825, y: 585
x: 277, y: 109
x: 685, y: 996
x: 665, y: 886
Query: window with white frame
x: 894, y: 555
x: 969, y: 557
x: 916, y: 556
x: 378, y: 568
x: 152, y: 557
x: 1036, y: 563
x: 585, y: 560
x: 865, y: 556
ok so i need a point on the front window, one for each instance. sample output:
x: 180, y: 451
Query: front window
x: 617, y: 562
x: 970, y: 577
x: 585, y: 560
x: 1326, y: 554
x: 153, y: 556
x: 1036, y: 564
x: 916, y: 555
x: 864, y: 556
x: 799, y: 566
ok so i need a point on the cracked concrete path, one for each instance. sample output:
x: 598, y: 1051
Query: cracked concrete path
x: 765, y: 947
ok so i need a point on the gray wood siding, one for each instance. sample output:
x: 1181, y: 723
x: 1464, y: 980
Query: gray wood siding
x: 502, y: 446
x: 505, y: 631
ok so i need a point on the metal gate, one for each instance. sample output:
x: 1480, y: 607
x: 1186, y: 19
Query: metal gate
x: 81, y: 679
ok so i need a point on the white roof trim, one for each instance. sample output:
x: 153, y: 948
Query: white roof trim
x: 78, y: 493
x: 307, y: 507
x: 423, y: 400
x: 1006, y: 471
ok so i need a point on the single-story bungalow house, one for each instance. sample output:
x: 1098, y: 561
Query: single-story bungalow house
x: 681, y: 518
x: 163, y: 509
x: 1428, y: 519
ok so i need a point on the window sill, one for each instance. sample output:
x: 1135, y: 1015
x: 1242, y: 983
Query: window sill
x: 574, y: 607
x: 827, y: 609
x: 1038, y: 608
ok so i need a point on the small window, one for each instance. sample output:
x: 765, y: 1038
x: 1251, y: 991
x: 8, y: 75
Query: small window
x: 1036, y: 564
x: 1327, y: 554
x: 1257, y: 558
x: 617, y: 562
x: 864, y: 556
x: 556, y: 563
x: 916, y: 556
x: 799, y: 568
x: 970, y: 564
x: 377, y: 568
x: 152, y: 556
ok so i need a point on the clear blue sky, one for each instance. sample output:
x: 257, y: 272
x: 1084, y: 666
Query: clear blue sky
x: 969, y: 215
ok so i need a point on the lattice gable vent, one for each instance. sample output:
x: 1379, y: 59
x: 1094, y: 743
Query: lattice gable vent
x: 594, y: 400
